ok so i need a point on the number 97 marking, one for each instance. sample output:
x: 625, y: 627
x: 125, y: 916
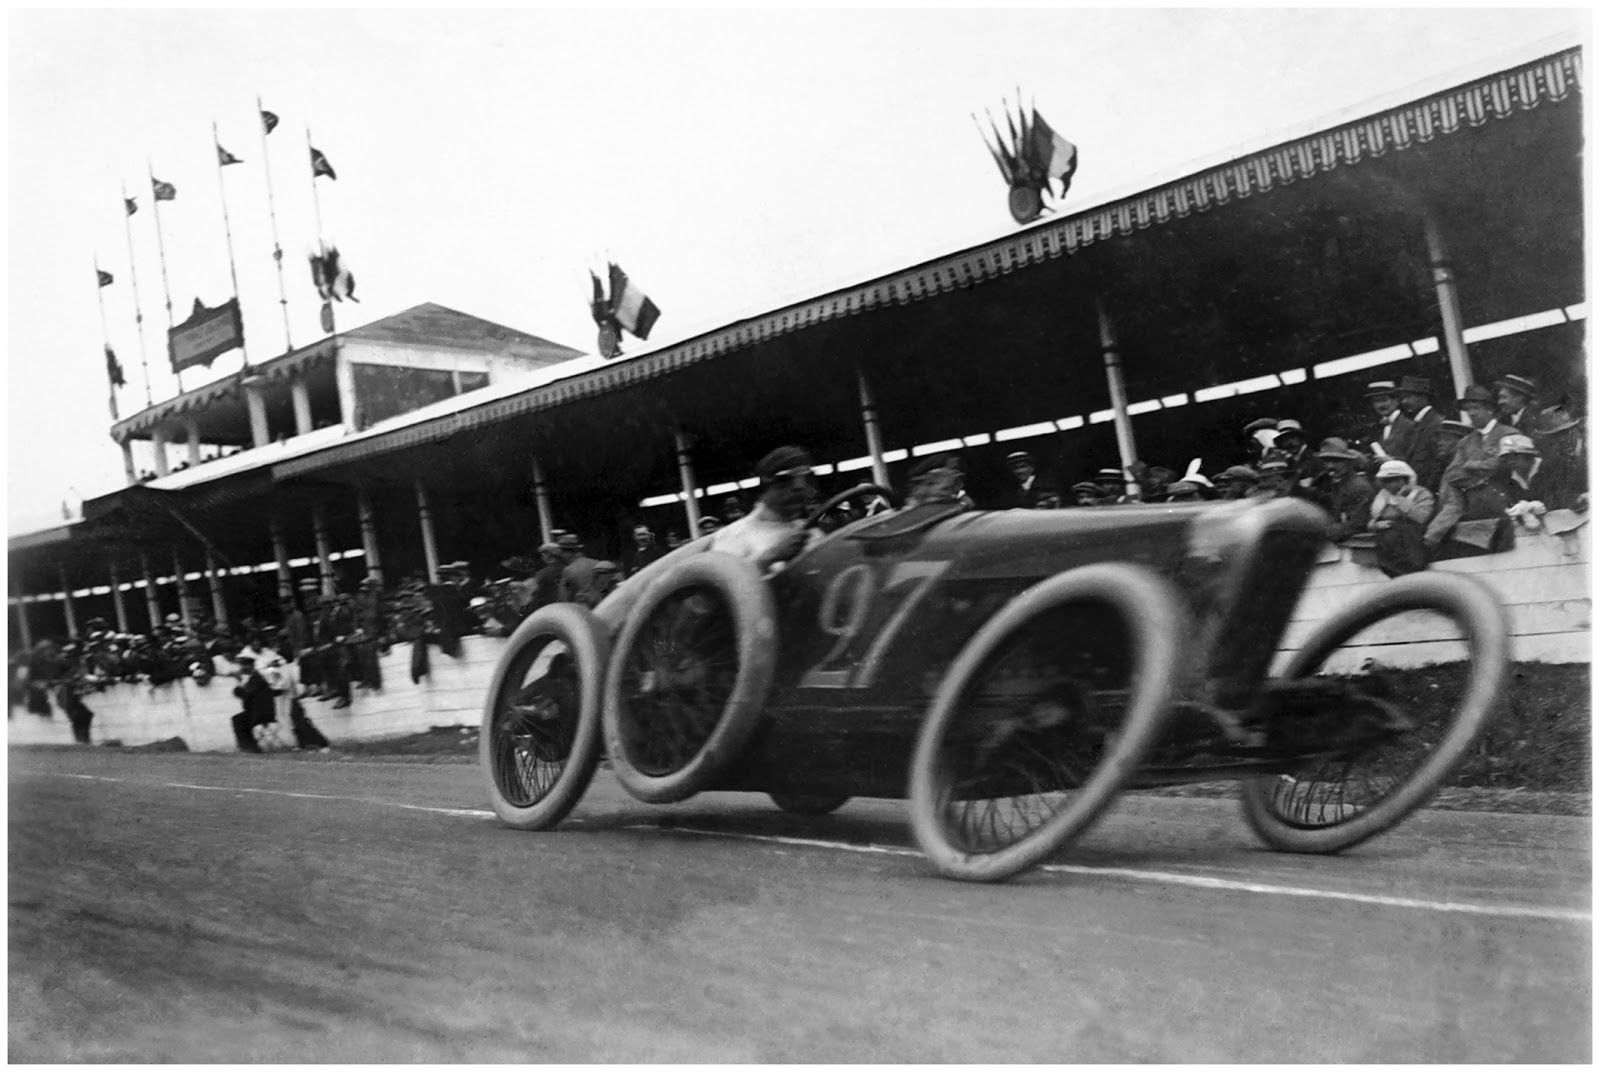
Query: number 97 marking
x: 843, y: 613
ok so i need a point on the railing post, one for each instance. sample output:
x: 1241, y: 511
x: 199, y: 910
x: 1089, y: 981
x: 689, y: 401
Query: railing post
x: 691, y: 505
x: 66, y: 595
x: 430, y: 549
x: 369, y: 534
x: 869, y: 418
x: 117, y: 600
x: 319, y: 529
x: 1444, y: 286
x: 541, y: 499
x: 1119, y: 400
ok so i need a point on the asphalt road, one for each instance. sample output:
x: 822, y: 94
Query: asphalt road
x: 204, y: 908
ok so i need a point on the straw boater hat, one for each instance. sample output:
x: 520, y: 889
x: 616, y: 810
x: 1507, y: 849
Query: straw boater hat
x: 1454, y: 427
x: 1086, y: 487
x: 1381, y: 388
x: 1020, y: 456
x: 1524, y: 386
x: 1290, y: 426
x: 1260, y: 424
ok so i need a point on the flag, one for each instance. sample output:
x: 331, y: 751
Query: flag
x: 163, y: 191
x: 268, y: 120
x: 224, y: 158
x: 320, y: 165
x: 114, y: 368
x: 633, y: 310
x: 129, y: 205
x: 105, y: 277
x: 333, y: 280
x: 599, y: 308
x: 1056, y: 155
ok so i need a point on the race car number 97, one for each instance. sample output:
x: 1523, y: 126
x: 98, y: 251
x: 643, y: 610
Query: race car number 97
x: 846, y: 604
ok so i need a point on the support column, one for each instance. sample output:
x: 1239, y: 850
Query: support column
x: 1444, y: 285
x: 430, y: 549
x: 691, y: 505
x: 193, y: 427
x: 280, y: 552
x: 182, y: 582
x: 127, y: 462
x: 1119, y: 400
x: 152, y: 598
x: 158, y: 444
x: 369, y: 534
x: 66, y: 595
x: 260, y: 435
x: 319, y: 528
x: 869, y: 419
x: 541, y: 499
x: 22, y: 622
x: 301, y: 394
x: 117, y: 601
x: 219, y: 607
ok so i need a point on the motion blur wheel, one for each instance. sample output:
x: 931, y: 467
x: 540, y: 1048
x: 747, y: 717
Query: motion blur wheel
x: 688, y: 676
x: 540, y: 740
x: 1048, y: 710
x: 1345, y: 794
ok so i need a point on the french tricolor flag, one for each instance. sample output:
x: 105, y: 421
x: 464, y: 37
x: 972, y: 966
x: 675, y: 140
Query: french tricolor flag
x: 633, y: 310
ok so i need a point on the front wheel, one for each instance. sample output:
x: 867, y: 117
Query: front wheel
x: 1043, y: 716
x: 540, y: 741
x: 1342, y: 796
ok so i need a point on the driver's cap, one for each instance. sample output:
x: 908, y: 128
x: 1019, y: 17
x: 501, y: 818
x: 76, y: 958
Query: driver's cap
x: 784, y: 461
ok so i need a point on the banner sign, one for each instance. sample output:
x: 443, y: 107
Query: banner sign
x: 206, y: 335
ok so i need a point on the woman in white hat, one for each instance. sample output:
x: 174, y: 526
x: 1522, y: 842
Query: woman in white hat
x: 1401, y: 511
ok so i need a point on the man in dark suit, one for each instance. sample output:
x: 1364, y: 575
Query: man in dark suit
x: 1429, y: 450
x: 1482, y: 443
x: 258, y: 707
x: 1514, y: 395
x: 1030, y: 488
x: 645, y: 550
x: 1392, y: 436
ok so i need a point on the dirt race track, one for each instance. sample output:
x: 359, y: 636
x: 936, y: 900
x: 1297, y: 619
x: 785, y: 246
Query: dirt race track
x: 205, y: 908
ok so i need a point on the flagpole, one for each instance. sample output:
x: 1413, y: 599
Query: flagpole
x: 272, y: 213
x: 227, y: 232
x: 316, y: 207
x: 105, y: 335
x: 161, y: 248
x: 138, y: 309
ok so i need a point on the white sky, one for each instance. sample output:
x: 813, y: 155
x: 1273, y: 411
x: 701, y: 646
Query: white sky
x: 726, y: 159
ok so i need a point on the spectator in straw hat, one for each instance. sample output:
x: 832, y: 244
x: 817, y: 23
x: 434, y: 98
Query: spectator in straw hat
x: 1399, y: 517
x: 1394, y: 431
x: 1259, y: 434
x: 1514, y: 395
x: 1344, y: 491
x: 1430, y: 446
x: 1087, y: 493
x: 1029, y: 486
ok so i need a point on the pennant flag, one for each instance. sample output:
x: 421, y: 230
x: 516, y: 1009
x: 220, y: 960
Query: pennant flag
x: 129, y: 205
x: 632, y: 309
x: 268, y: 120
x: 114, y: 368
x: 224, y: 158
x: 105, y: 277
x: 163, y: 191
x: 320, y: 165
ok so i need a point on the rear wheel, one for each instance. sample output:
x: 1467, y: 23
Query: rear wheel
x: 1345, y: 795
x: 1047, y: 711
x: 540, y: 740
x: 688, y: 676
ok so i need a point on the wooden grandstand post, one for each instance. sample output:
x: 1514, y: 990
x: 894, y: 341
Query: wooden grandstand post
x: 430, y: 549
x: 1444, y: 285
x: 127, y: 462
x: 182, y: 582
x: 158, y: 444
x: 219, y: 606
x: 152, y: 599
x: 117, y: 600
x: 280, y: 552
x: 541, y: 499
x: 192, y: 428
x: 869, y: 419
x: 691, y: 505
x: 300, y: 392
x: 319, y: 529
x: 369, y: 534
x: 66, y: 596
x: 22, y: 620
x: 1119, y: 399
x: 260, y: 433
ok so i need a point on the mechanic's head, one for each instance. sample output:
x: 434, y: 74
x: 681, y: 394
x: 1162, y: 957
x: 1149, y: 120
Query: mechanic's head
x: 786, y: 483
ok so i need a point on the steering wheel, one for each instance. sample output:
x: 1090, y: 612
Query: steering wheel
x: 845, y: 496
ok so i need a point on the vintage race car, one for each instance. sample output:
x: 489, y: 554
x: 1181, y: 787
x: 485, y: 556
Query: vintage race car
x: 1007, y: 672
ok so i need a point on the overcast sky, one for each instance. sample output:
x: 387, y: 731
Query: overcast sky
x: 727, y: 160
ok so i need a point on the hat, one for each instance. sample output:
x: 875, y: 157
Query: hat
x: 520, y: 564
x: 1517, y: 444
x: 1108, y: 474
x: 307, y: 584
x: 1455, y: 427
x: 244, y: 657
x: 932, y: 462
x: 1272, y: 466
x: 1238, y: 473
x: 709, y: 524
x: 605, y: 565
x: 1395, y: 467
x: 1478, y: 395
x: 1552, y: 423
x: 1183, y: 487
x: 1334, y: 447
x: 477, y: 601
x: 173, y: 619
x: 1520, y: 384
x: 784, y: 461
x: 1416, y: 385
x: 1261, y: 423
x: 549, y: 548
x: 1087, y: 486
x: 1020, y: 456
x: 371, y: 581
x: 457, y: 566
x: 1290, y: 426
x: 568, y: 541
x: 1379, y: 388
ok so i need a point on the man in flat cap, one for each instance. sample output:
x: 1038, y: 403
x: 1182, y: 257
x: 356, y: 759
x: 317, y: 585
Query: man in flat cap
x: 1472, y: 513
x: 1430, y: 448
x: 547, y: 578
x: 1482, y: 443
x: 775, y: 531
x: 1514, y: 395
x: 1029, y: 486
x: 1236, y: 482
x: 1345, y: 492
x: 1394, y: 431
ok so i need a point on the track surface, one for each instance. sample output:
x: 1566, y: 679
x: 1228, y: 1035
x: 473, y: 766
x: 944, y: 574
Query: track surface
x: 200, y: 908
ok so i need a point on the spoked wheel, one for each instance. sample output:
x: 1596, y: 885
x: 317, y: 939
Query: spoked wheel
x: 1342, y: 795
x: 688, y: 676
x: 540, y: 740
x: 809, y: 803
x: 1046, y: 712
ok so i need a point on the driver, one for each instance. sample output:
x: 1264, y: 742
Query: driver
x: 775, y: 531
